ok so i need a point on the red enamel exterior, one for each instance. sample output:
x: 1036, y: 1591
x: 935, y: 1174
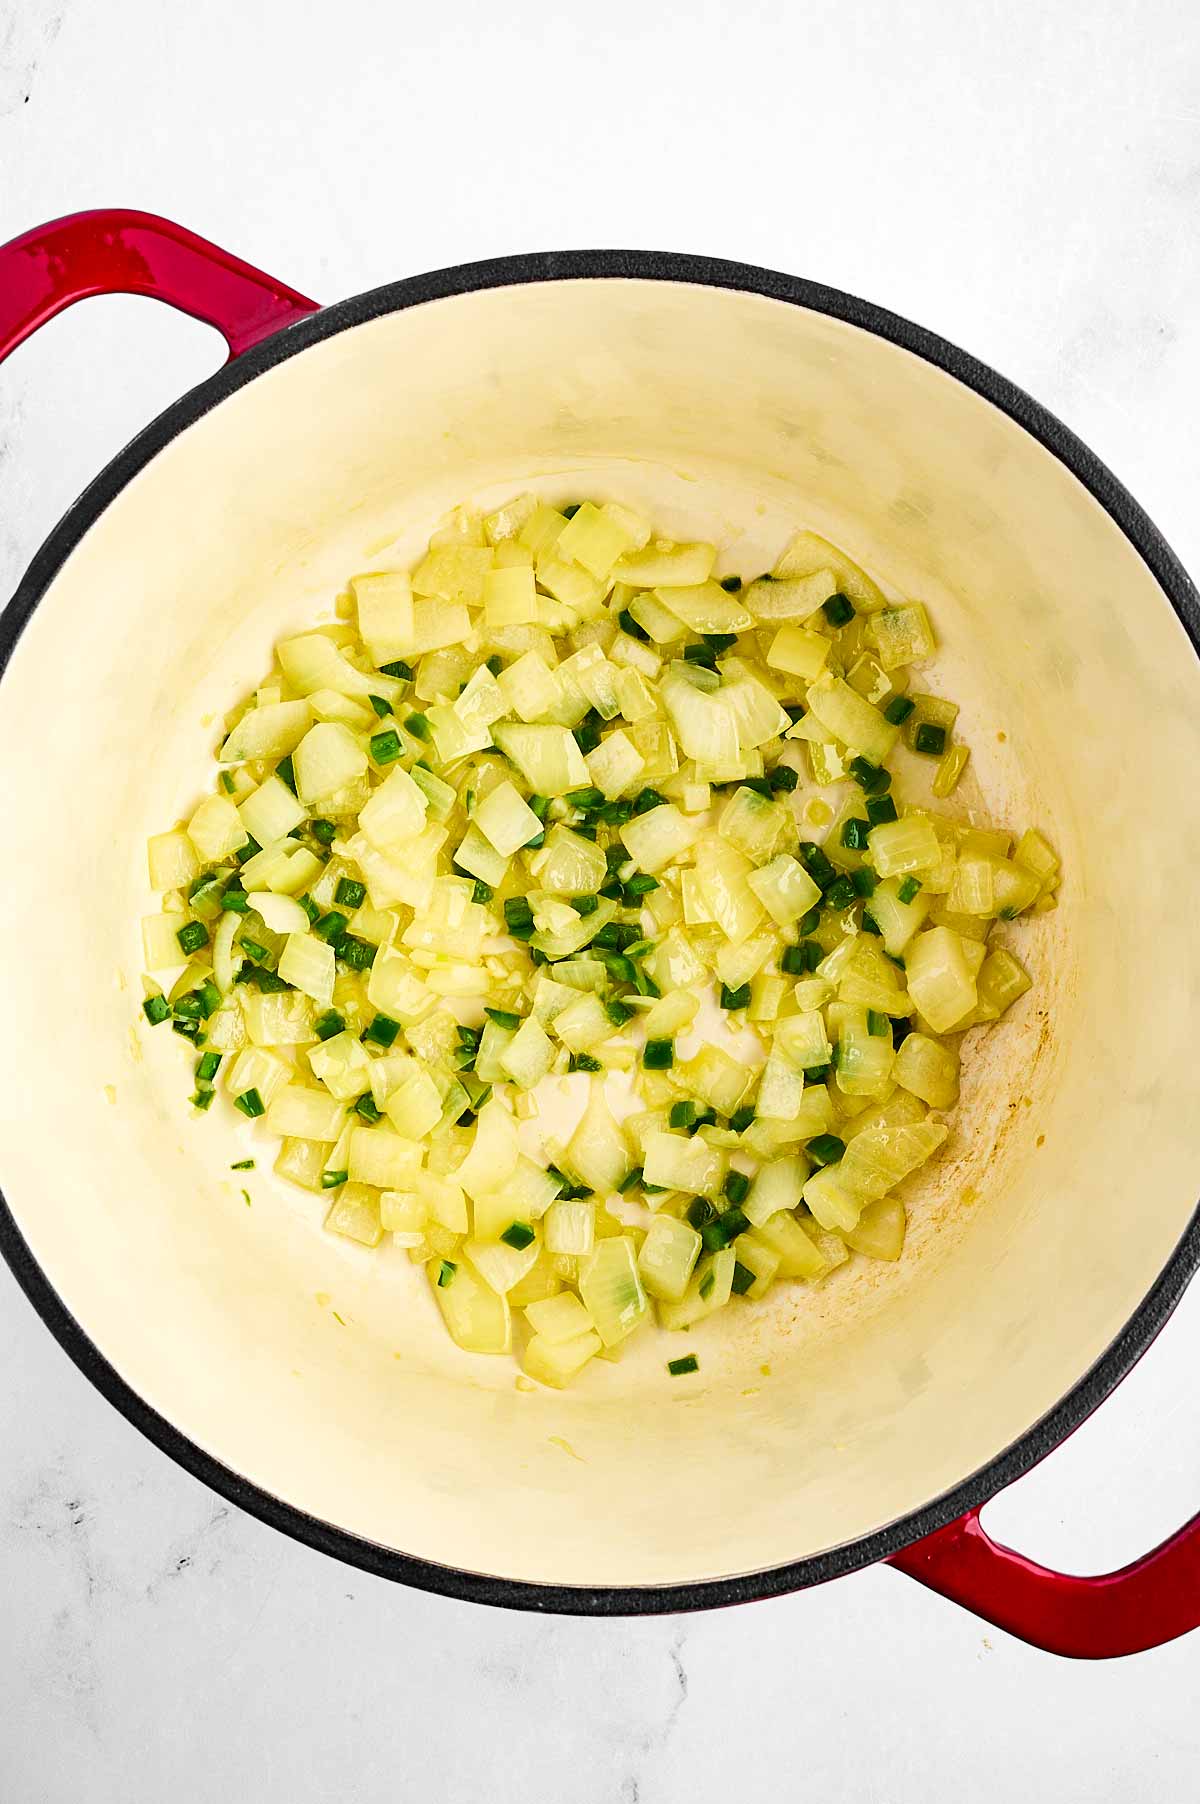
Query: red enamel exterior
x: 1141, y: 1606
x: 117, y: 251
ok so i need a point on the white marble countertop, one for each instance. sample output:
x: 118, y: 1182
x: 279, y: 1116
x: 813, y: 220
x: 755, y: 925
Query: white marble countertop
x: 1024, y: 180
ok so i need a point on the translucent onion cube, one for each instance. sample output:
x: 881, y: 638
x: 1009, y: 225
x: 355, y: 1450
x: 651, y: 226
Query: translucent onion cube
x: 312, y: 662
x: 973, y: 890
x: 506, y: 821
x: 403, y: 1214
x: 753, y: 824
x: 808, y: 552
x: 785, y: 889
x: 529, y: 687
x: 161, y: 950
x: 277, y: 1017
x: 901, y: 848
x: 384, y: 601
x: 831, y: 1204
x: 478, y: 856
x: 395, y: 988
x: 293, y: 873
x: 558, y: 1362
x: 267, y: 732
x: 298, y: 1110
x: 670, y: 1015
x: 582, y: 1024
x: 723, y: 873
x: 1035, y: 853
x: 615, y: 765
x: 704, y: 725
x: 661, y: 564
x: 706, y: 608
x: 453, y: 572
x: 656, y: 619
x: 378, y: 1156
x: 715, y: 1077
x: 681, y: 1162
x: 216, y: 830
x: 803, y: 1039
x: 668, y: 1257
x: 851, y: 719
x: 928, y: 1069
x: 570, y: 584
x: 568, y: 864
x: 529, y: 1191
x: 355, y: 1214
x: 499, y: 1265
x: 307, y: 963
x: 660, y: 835
x: 326, y: 759
x: 790, y: 598
x: 415, y: 1107
x: 546, y: 756
x: 880, y: 1230
x: 596, y: 677
x: 510, y: 597
x: 327, y: 704
x: 1001, y: 979
x: 342, y: 1065
x: 902, y: 635
x: 282, y: 914
x: 541, y: 528
x: 880, y: 1157
x: 558, y: 1318
x: 255, y: 1068
x: 528, y: 1056
x: 477, y: 1317
x: 780, y: 1090
x: 172, y: 860
x: 940, y: 980
x: 395, y: 814
x: 709, y: 1290
x: 506, y: 522
x: 757, y: 714
x: 493, y: 1154
x: 760, y: 1260
x: 798, y: 1254
x: 798, y: 652
x: 445, y: 1201
x: 598, y: 1151
x: 570, y: 1227
x: 302, y: 1162
x: 226, y: 1030
x: 950, y: 770
x: 777, y: 1185
x: 611, y: 1287
x: 897, y: 921
x: 864, y: 1060
x: 437, y: 624
x: 594, y: 539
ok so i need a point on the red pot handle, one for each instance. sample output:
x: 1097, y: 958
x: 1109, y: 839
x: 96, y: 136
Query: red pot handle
x: 116, y: 251
x: 1141, y: 1606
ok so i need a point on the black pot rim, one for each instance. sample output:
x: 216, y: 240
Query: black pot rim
x: 1148, y: 1318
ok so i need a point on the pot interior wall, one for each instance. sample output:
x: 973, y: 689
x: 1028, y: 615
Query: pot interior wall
x: 1072, y: 1171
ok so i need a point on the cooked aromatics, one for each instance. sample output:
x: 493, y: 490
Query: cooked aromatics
x: 562, y: 826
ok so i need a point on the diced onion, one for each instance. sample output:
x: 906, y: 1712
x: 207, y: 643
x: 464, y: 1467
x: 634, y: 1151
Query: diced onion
x: 536, y: 818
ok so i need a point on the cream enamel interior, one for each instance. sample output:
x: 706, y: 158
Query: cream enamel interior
x: 1073, y: 1169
